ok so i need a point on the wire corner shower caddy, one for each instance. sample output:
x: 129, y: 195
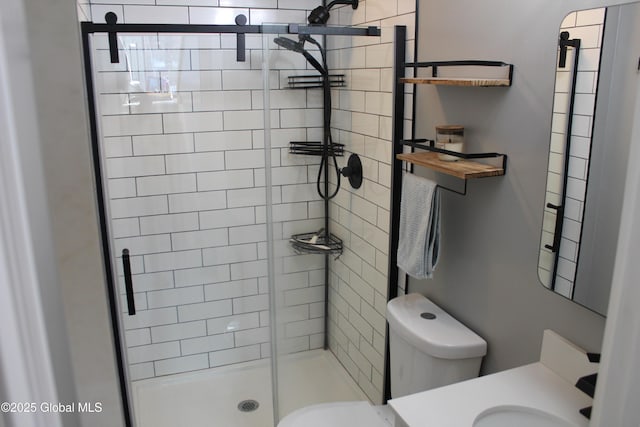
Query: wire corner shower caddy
x: 322, y: 242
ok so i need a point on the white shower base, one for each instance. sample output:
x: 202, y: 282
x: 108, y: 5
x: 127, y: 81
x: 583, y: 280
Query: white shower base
x: 210, y: 398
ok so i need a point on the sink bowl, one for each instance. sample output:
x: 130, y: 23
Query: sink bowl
x: 521, y: 416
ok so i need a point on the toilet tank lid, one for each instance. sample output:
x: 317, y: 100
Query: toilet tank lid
x: 442, y: 337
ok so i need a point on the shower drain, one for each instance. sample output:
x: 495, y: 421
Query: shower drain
x: 248, y: 405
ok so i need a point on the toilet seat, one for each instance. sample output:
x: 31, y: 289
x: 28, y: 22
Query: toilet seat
x: 335, y: 414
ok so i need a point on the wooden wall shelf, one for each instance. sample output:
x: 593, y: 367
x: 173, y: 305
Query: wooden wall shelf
x: 447, y: 81
x: 464, y: 169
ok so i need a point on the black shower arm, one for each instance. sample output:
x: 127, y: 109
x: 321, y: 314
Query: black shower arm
x: 335, y: 2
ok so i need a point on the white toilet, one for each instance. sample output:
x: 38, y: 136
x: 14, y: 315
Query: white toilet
x: 428, y: 348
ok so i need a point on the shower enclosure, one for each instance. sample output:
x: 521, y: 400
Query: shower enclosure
x: 215, y: 237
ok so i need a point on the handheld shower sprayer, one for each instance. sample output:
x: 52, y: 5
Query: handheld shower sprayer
x: 298, y: 47
x: 289, y: 44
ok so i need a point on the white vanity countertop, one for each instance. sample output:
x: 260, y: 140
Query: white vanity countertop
x: 533, y: 386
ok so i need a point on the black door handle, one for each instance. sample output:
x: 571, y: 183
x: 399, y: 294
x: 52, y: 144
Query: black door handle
x: 128, y: 282
x: 557, y: 234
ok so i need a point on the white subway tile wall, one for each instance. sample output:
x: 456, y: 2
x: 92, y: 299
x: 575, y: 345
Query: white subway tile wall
x: 588, y: 26
x: 182, y: 124
x: 362, y: 121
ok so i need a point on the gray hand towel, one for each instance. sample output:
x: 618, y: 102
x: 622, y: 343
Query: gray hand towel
x: 419, y: 238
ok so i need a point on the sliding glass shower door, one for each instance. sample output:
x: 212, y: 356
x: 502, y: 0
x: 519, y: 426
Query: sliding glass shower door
x: 181, y: 154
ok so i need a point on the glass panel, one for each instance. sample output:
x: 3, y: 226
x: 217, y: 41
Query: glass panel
x: 307, y: 372
x: 181, y: 125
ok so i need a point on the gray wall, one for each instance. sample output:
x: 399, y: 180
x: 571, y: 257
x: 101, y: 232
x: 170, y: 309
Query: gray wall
x: 37, y: 306
x: 62, y: 123
x: 487, y: 276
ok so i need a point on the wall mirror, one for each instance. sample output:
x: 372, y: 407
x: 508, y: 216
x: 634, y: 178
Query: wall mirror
x: 597, y: 62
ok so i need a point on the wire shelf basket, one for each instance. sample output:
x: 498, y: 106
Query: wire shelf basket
x: 315, y: 81
x: 315, y: 148
x: 316, y: 243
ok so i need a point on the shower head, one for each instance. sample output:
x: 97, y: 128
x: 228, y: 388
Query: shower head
x: 298, y: 47
x: 320, y: 15
x: 289, y: 44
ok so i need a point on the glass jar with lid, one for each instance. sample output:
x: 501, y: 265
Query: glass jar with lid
x: 450, y: 138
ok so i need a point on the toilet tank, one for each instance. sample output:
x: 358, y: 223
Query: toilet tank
x: 428, y: 347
